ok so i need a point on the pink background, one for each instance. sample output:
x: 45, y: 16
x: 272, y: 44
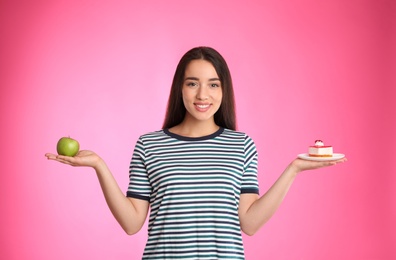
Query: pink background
x: 100, y: 71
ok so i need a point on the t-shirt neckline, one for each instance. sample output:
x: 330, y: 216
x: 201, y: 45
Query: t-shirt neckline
x: 187, y: 138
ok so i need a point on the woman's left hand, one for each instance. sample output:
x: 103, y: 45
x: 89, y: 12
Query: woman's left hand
x: 303, y: 165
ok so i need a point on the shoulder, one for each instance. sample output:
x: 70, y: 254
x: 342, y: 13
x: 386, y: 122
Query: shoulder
x: 237, y: 134
x: 153, y: 134
x: 152, y: 137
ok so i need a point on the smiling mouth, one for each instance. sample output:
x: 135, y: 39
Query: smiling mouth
x: 202, y: 106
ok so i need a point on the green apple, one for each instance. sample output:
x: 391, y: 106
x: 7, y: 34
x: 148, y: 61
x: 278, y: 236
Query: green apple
x: 67, y: 146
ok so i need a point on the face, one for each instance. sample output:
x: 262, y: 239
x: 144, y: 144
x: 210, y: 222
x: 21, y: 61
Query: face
x: 202, y: 91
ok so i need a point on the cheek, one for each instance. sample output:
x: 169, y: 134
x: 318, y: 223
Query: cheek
x: 189, y: 94
x: 186, y: 98
x: 184, y: 95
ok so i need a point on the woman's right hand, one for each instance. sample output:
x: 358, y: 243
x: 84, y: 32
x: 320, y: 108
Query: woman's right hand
x: 82, y: 158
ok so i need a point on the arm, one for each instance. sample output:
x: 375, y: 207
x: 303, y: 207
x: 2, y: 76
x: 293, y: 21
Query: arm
x: 255, y: 211
x: 130, y: 213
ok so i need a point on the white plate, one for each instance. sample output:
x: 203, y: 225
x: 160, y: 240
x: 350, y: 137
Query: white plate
x: 336, y: 156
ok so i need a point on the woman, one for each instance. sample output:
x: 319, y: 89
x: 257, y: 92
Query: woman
x: 198, y: 175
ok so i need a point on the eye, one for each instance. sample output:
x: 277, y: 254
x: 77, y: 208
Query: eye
x: 191, y: 84
x: 215, y: 85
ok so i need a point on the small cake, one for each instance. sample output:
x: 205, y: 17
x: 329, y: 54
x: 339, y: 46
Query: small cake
x: 320, y: 150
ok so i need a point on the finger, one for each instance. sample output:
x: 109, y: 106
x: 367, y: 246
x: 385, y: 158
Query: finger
x: 66, y: 159
x: 63, y: 160
x: 63, y: 157
x: 331, y: 163
x: 50, y: 156
x: 340, y: 161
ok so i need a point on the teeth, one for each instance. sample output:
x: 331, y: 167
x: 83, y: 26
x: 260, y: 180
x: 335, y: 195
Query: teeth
x: 202, y: 106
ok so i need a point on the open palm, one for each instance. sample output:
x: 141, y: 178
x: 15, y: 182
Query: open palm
x: 82, y: 158
x: 304, y: 165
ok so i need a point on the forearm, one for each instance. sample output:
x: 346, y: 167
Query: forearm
x: 128, y: 215
x: 262, y: 209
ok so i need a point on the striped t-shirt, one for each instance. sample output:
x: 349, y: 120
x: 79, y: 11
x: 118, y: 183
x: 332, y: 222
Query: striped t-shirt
x: 193, y: 186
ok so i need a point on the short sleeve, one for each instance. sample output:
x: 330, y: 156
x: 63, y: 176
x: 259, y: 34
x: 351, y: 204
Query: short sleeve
x: 139, y: 186
x: 249, y: 179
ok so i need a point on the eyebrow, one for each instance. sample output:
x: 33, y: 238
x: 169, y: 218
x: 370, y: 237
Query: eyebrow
x: 195, y: 78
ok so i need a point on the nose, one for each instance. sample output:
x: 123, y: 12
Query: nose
x: 202, y: 93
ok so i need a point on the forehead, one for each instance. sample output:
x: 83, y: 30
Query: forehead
x: 201, y: 69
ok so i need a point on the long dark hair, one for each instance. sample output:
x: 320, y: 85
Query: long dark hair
x: 225, y: 116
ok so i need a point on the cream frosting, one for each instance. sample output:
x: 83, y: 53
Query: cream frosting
x: 319, y: 143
